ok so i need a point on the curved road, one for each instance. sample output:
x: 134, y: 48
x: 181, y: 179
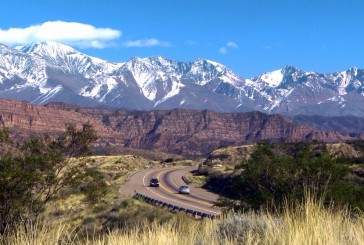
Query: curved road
x: 170, y: 179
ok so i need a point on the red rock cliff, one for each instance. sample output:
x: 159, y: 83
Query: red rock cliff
x: 187, y: 132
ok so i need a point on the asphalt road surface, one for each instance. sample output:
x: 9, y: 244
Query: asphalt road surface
x: 170, y: 180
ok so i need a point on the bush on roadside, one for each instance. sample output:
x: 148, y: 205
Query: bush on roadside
x: 33, y: 173
x: 268, y: 178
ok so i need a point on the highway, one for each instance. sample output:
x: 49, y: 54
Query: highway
x: 170, y: 179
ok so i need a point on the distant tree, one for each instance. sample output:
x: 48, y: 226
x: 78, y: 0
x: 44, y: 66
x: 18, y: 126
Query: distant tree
x: 33, y: 172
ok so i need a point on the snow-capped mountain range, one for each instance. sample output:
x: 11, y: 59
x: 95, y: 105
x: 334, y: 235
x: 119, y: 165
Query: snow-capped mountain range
x: 48, y: 71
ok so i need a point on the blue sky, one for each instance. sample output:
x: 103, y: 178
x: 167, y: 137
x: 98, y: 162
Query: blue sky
x: 249, y: 37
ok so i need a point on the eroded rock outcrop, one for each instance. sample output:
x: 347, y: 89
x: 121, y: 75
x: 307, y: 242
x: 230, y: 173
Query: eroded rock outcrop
x: 187, y: 132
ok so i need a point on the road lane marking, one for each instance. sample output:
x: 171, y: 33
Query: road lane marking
x: 146, y: 175
x: 185, y: 204
x: 176, y: 201
x: 185, y: 197
x: 174, y: 182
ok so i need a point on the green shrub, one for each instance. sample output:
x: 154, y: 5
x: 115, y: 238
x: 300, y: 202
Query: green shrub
x: 268, y: 178
x: 33, y: 173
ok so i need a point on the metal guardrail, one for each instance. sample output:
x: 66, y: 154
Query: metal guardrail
x: 175, y: 208
x: 129, y: 175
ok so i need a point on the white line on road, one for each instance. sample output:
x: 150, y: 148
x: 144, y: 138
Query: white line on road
x: 149, y: 189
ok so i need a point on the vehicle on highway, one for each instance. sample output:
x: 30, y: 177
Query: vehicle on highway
x: 154, y: 182
x: 184, y: 189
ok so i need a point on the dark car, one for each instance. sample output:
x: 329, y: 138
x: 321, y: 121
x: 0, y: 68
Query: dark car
x: 154, y: 182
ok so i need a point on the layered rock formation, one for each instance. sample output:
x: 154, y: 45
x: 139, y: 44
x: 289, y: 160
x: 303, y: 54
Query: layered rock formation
x: 187, y: 132
x: 23, y: 118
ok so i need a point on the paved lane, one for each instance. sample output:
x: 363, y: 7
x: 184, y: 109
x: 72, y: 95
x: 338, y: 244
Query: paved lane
x: 170, y: 179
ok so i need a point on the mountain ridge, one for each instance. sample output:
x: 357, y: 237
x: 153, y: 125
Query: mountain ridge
x: 50, y: 72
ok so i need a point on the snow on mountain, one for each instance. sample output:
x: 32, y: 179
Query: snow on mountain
x: 63, y: 56
x: 272, y: 79
x: 203, y: 71
x: 150, y: 74
x: 16, y: 65
x: 49, y: 71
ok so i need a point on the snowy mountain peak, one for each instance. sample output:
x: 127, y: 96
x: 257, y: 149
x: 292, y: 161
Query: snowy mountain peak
x: 49, y: 71
x: 136, y: 59
x: 50, y: 48
x: 208, y: 63
x: 213, y: 63
x: 157, y: 58
x: 154, y: 61
x: 291, y: 69
x: 160, y: 61
x: 272, y: 79
x: 285, y: 77
x: 59, y: 55
x: 4, y: 49
x: 353, y: 71
x: 3, y: 46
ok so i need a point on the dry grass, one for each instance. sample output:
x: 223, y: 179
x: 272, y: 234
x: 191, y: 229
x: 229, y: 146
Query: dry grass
x: 306, y: 223
x: 229, y: 156
x: 143, y: 153
x: 32, y: 234
x: 70, y: 208
x: 301, y: 224
x: 311, y: 223
x: 198, y: 180
x: 342, y: 150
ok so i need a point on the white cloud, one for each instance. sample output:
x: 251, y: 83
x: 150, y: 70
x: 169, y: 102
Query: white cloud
x: 223, y: 50
x: 146, y: 43
x: 232, y: 44
x: 71, y: 33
